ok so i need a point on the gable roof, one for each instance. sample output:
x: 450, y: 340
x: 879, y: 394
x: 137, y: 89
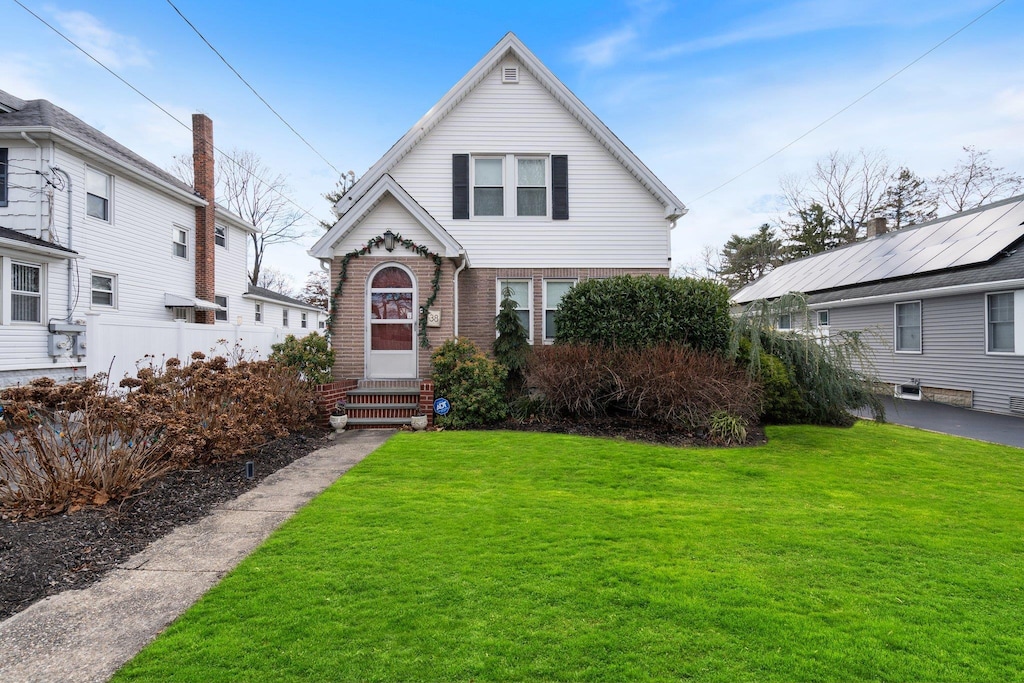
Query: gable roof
x: 933, y: 252
x: 262, y: 293
x: 511, y: 45
x: 42, y: 116
x: 385, y: 185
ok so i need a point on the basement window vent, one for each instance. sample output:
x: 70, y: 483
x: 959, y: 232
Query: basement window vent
x: 1017, y: 404
x: 910, y: 392
x: 510, y: 74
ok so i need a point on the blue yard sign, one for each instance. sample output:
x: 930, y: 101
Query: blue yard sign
x: 442, y: 406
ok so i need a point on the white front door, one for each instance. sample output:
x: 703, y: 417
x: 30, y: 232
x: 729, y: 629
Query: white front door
x: 391, y: 323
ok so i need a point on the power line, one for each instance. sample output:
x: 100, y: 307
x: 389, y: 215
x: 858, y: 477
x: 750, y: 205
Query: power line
x: 248, y: 85
x: 175, y: 118
x: 851, y: 104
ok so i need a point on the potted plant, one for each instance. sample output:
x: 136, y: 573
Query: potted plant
x: 339, y: 417
x: 419, y: 421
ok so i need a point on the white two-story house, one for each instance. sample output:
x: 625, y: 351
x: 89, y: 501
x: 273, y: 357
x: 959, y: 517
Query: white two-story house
x: 509, y: 181
x: 105, y: 257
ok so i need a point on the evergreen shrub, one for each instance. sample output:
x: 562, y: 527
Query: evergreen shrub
x: 473, y: 384
x: 312, y: 356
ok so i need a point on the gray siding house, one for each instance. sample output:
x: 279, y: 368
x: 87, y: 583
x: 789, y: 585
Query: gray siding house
x: 936, y: 302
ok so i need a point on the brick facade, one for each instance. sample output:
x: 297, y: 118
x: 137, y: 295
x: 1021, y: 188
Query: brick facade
x: 477, y: 304
x: 202, y: 162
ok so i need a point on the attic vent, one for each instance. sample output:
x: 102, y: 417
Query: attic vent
x: 510, y: 74
x: 1017, y: 404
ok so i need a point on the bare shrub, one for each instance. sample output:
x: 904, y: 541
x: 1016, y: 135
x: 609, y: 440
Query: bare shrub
x: 668, y: 383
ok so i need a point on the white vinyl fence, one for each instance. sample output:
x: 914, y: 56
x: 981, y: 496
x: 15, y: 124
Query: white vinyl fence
x: 121, y: 345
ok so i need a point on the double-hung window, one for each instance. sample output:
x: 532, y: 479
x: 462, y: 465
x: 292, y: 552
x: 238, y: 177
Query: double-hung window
x: 908, y: 327
x: 823, y: 318
x: 259, y: 312
x: 221, y: 301
x: 104, y: 290
x: 284, y: 318
x: 26, y: 293
x: 304, y: 320
x: 531, y: 186
x: 1000, y: 323
x: 220, y: 235
x: 179, y: 239
x: 519, y: 292
x: 489, y: 186
x: 3, y: 176
x: 785, y: 321
x: 554, y: 290
x: 97, y: 194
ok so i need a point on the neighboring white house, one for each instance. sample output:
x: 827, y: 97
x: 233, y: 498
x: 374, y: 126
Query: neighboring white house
x: 508, y: 181
x: 105, y: 257
x: 273, y: 309
x: 936, y: 302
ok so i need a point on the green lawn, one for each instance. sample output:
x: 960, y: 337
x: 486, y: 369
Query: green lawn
x: 876, y: 552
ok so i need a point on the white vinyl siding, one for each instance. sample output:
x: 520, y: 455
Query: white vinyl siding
x: 104, y: 290
x: 614, y: 222
x: 520, y: 291
x: 98, y: 188
x: 554, y: 290
x: 907, y: 337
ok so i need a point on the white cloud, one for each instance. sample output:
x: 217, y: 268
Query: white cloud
x: 606, y: 50
x: 109, y: 47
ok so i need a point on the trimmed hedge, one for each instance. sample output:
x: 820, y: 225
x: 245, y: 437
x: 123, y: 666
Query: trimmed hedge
x: 472, y: 382
x: 641, y: 311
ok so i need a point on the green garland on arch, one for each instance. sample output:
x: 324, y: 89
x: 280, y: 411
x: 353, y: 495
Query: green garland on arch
x: 374, y: 243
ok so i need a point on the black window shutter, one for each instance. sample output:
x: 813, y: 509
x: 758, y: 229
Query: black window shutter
x: 560, y: 187
x: 460, y: 186
x: 3, y: 176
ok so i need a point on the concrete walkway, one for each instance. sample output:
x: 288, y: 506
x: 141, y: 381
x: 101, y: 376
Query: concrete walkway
x: 973, y: 424
x: 87, y: 635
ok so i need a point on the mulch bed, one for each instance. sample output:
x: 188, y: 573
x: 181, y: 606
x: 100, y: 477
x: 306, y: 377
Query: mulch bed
x: 41, y: 557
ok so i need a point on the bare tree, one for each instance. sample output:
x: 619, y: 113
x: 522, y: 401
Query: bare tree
x: 316, y: 291
x: 273, y: 279
x: 707, y: 264
x: 849, y: 187
x: 248, y: 188
x: 975, y: 181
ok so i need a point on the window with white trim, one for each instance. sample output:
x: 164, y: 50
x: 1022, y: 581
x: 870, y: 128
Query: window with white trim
x: 785, y: 321
x: 179, y: 237
x: 999, y: 312
x: 221, y: 301
x: 907, y: 327
x: 488, y: 186
x: 284, y: 318
x: 184, y: 314
x: 304, y: 320
x: 823, y: 318
x: 220, y: 235
x: 554, y: 290
x: 520, y: 291
x: 259, y: 312
x: 26, y: 293
x: 531, y: 186
x: 104, y: 290
x: 97, y: 193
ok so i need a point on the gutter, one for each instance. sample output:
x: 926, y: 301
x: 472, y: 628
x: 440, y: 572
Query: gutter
x: 455, y: 295
x: 951, y: 290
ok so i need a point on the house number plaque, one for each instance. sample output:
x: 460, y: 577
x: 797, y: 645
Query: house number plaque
x: 433, y: 318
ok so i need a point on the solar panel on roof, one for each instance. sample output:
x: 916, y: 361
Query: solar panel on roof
x: 961, y: 240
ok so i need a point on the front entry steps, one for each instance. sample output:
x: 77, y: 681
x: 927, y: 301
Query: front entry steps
x: 381, y: 404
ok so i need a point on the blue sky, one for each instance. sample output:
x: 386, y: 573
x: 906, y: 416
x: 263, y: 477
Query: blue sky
x: 699, y: 90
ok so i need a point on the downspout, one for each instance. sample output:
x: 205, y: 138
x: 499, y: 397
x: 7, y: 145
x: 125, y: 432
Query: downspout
x: 39, y: 183
x: 455, y: 296
x: 71, y: 213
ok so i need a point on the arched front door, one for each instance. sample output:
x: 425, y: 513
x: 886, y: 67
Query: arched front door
x: 391, y: 323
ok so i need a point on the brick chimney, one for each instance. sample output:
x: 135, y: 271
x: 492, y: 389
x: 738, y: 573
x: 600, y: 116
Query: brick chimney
x: 876, y: 227
x: 202, y: 163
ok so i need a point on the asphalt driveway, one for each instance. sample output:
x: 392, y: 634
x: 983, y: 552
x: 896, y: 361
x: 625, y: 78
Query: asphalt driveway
x: 973, y: 424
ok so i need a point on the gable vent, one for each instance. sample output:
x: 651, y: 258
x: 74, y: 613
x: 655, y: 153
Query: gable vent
x: 1017, y: 404
x: 510, y: 74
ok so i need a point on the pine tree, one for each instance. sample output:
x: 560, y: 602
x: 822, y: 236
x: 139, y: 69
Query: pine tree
x: 512, y: 347
x: 907, y: 200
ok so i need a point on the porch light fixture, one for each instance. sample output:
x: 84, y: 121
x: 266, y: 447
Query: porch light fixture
x: 389, y: 240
